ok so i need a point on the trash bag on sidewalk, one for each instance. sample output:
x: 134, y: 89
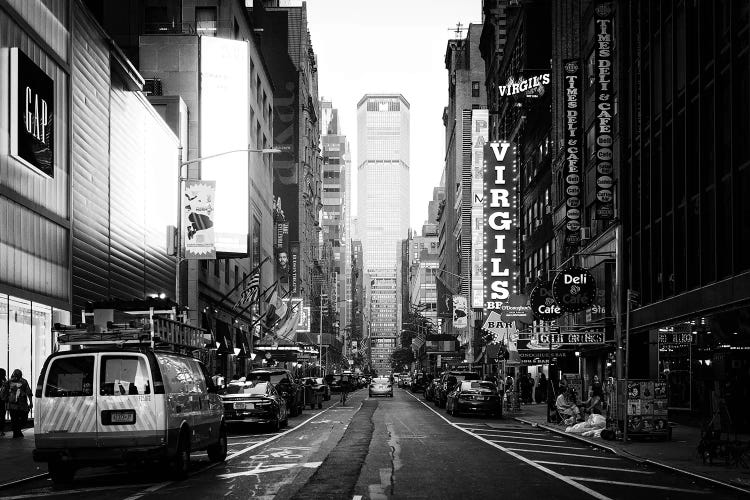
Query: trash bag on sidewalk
x: 594, y: 433
x: 593, y: 423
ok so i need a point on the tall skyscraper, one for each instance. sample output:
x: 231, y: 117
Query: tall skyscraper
x: 383, y: 211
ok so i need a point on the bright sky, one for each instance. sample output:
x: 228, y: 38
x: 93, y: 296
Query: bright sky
x: 391, y: 46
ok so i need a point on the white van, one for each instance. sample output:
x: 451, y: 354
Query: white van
x: 112, y: 405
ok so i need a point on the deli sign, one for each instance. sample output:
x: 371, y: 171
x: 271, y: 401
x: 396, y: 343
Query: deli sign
x: 500, y: 223
x: 573, y: 162
x: 604, y: 115
x: 574, y: 289
x: 32, y: 138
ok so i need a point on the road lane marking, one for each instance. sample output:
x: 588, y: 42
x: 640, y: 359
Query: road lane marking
x: 520, y: 437
x: 566, y: 454
x: 616, y: 469
x: 552, y: 436
x: 639, y: 485
x: 525, y: 460
x: 260, y: 469
x: 66, y: 492
x: 230, y: 457
x: 535, y: 444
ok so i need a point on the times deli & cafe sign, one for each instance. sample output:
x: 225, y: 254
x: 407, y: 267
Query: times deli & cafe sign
x: 500, y: 223
x: 32, y: 138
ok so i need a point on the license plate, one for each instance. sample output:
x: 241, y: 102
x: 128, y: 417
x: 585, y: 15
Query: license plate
x: 122, y: 417
x: 244, y: 406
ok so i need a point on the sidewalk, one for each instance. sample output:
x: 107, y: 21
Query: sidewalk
x: 680, y: 453
x: 15, y: 458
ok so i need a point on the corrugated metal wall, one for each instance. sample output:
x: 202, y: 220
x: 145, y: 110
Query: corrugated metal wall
x: 34, y: 216
x: 124, y: 183
x: 90, y: 161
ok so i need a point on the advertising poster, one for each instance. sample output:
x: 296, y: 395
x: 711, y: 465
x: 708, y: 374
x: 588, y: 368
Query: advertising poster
x: 573, y: 163
x: 460, y: 312
x: 479, y: 136
x: 501, y: 223
x: 604, y: 102
x: 224, y: 127
x: 198, y: 219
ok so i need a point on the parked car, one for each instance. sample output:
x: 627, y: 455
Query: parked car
x: 448, y: 382
x: 475, y: 397
x: 429, y: 392
x: 381, y: 386
x: 321, y: 384
x: 285, y: 385
x: 112, y: 405
x: 255, y: 402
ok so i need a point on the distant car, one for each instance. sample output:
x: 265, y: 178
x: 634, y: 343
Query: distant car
x: 418, y: 383
x: 256, y: 402
x: 447, y: 383
x: 475, y: 397
x: 342, y: 380
x: 381, y: 386
x: 285, y: 385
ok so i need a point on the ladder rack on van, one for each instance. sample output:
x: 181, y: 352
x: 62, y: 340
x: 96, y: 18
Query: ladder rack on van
x: 150, y: 331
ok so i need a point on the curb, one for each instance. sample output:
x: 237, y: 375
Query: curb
x: 635, y: 458
x: 24, y: 480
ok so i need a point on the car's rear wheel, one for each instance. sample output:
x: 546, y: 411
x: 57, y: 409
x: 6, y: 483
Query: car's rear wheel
x: 61, y: 472
x: 218, y: 452
x: 276, y: 424
x: 179, y: 465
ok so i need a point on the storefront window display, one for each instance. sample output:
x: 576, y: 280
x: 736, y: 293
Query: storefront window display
x: 26, y: 335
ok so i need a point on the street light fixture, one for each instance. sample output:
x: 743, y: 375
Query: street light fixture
x: 185, y: 163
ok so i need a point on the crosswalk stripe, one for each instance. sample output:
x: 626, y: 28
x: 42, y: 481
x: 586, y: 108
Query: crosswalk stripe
x: 640, y: 485
x: 518, y: 432
x: 597, y: 457
x: 618, y: 469
x: 518, y: 437
x: 535, y: 444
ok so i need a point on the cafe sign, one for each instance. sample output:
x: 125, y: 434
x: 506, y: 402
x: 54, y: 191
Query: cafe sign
x: 573, y: 144
x: 32, y: 106
x: 604, y: 113
x: 544, y: 307
x: 574, y: 289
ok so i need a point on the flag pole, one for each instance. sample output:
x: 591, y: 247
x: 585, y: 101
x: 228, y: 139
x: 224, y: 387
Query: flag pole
x: 242, y: 282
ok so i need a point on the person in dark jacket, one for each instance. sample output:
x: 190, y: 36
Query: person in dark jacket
x: 19, y: 402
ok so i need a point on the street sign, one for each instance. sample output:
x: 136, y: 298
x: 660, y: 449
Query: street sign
x: 573, y: 337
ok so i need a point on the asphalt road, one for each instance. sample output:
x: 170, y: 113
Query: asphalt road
x: 378, y: 448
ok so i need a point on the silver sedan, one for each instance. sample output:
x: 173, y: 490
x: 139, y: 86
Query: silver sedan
x: 381, y: 386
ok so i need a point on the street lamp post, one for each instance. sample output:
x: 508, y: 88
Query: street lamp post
x: 185, y: 163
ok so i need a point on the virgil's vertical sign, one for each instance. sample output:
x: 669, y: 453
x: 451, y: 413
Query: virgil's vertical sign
x: 501, y: 223
x: 573, y: 163
x: 603, y: 100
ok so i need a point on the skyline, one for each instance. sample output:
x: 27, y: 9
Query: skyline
x: 418, y: 37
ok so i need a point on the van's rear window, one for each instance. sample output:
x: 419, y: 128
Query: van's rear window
x: 70, y: 376
x: 124, y: 376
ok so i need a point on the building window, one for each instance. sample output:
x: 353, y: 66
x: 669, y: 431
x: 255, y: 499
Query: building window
x: 474, y: 89
x: 216, y: 268
x: 226, y: 271
x: 205, y: 21
x: 236, y: 275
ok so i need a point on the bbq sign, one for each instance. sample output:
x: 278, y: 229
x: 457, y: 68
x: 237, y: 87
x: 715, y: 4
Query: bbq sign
x: 500, y: 223
x: 604, y: 115
x: 32, y: 106
x: 573, y: 162
x: 574, y: 289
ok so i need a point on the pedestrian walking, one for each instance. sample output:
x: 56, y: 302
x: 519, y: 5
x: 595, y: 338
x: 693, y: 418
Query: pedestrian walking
x: 541, y: 389
x: 3, y: 400
x: 19, y: 401
x: 530, y: 392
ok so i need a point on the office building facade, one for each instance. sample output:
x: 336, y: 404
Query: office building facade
x: 383, y: 212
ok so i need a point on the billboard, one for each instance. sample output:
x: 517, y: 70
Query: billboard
x: 224, y: 127
x: 604, y: 103
x: 198, y: 219
x: 479, y: 136
x: 501, y: 223
x: 573, y: 161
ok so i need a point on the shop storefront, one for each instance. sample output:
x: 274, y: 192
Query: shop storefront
x: 26, y: 334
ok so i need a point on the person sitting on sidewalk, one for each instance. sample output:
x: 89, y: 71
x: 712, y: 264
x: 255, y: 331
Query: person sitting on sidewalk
x: 567, y: 408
